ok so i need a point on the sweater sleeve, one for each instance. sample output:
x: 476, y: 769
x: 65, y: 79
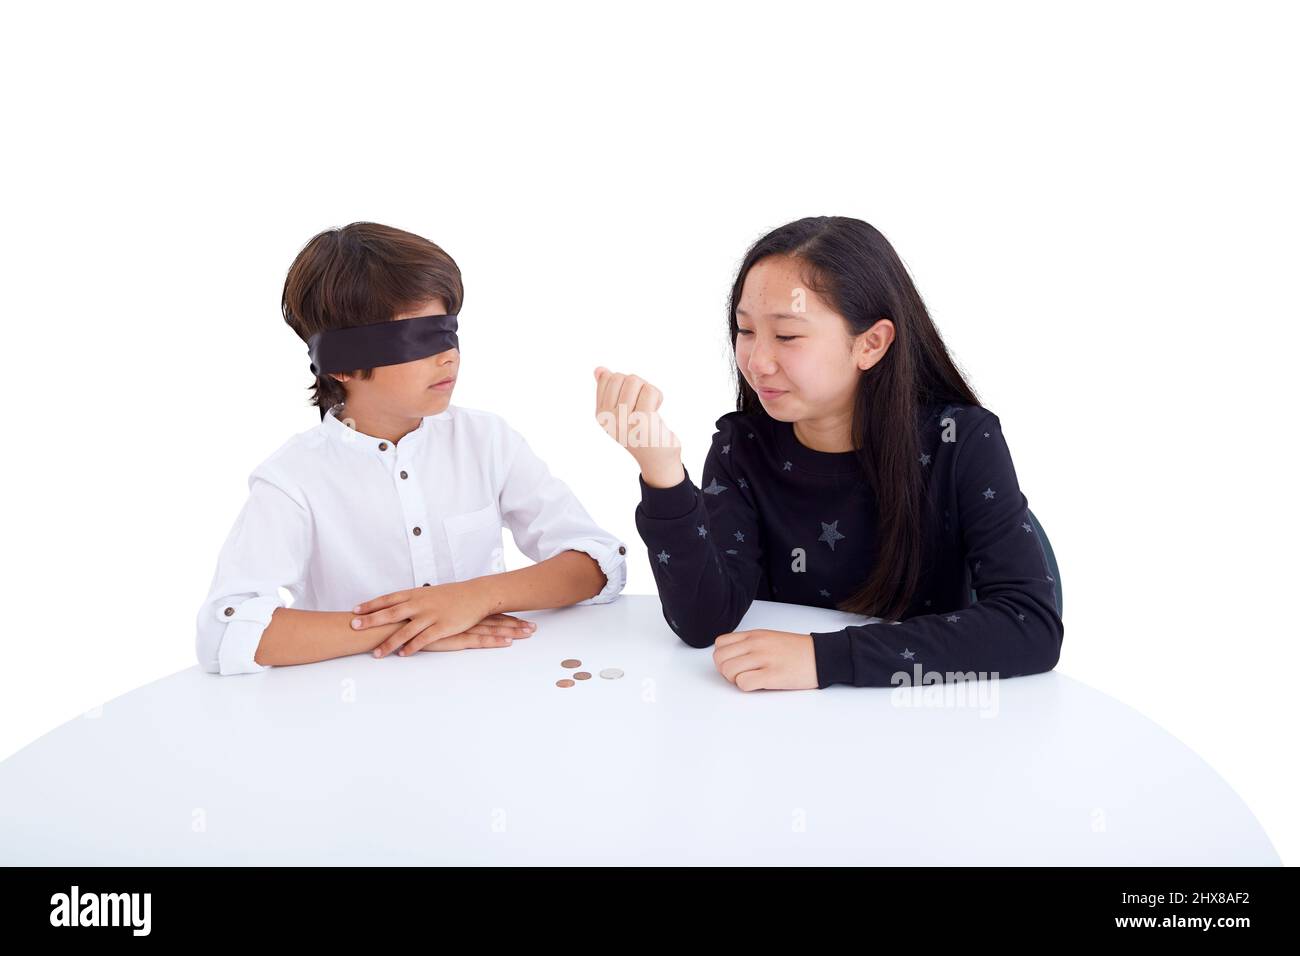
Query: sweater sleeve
x: 1012, y: 629
x: 704, y: 546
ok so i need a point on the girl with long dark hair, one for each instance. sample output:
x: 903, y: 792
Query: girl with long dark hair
x: 859, y: 471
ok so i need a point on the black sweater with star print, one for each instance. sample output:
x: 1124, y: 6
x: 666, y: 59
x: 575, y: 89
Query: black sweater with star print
x: 775, y: 520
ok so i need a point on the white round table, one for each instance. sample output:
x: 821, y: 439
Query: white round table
x: 477, y: 757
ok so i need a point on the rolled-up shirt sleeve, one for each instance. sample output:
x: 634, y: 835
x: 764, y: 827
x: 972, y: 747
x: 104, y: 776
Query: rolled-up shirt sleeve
x: 267, y: 549
x: 546, y: 518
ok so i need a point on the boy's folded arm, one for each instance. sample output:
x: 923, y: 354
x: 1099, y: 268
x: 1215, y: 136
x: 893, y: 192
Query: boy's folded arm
x: 304, y: 637
x: 267, y: 549
x: 557, y: 581
x: 547, y: 520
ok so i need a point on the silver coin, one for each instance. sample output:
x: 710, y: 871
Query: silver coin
x: 611, y: 673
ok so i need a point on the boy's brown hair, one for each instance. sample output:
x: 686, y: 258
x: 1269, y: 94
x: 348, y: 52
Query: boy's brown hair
x: 361, y: 274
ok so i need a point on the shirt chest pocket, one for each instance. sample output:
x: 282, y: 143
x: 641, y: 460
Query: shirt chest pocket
x: 474, y: 539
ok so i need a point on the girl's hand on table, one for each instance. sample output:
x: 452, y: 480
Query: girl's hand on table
x: 766, y: 660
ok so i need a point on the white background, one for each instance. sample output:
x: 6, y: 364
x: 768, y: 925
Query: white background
x: 1098, y: 203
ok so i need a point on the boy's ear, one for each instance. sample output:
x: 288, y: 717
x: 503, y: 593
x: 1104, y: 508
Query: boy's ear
x: 340, y: 377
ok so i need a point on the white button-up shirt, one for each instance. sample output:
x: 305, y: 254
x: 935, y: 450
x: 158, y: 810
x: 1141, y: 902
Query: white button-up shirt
x: 336, y: 517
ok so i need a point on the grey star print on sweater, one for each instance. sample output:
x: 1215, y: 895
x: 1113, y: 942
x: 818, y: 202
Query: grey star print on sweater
x: 778, y: 521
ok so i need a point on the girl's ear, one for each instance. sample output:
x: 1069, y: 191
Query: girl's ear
x: 872, y: 344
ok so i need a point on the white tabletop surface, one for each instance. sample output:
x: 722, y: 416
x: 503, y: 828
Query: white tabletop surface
x: 477, y: 757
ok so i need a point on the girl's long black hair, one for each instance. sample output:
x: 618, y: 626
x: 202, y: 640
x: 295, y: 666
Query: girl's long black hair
x: 858, y: 273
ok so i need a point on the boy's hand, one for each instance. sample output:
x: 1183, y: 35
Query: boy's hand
x: 627, y: 407
x: 432, y: 614
x: 499, y: 630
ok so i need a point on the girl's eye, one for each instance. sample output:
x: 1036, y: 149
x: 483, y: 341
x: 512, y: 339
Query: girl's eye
x: 779, y: 338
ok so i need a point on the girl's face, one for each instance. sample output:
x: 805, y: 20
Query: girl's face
x: 794, y: 350
x: 407, y: 389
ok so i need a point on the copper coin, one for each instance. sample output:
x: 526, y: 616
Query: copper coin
x: 582, y: 675
x: 571, y: 662
x: 564, y: 682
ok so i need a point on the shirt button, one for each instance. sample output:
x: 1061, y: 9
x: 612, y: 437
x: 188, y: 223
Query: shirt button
x: 425, y: 584
x: 383, y: 446
x: 415, y: 530
x: 622, y: 550
x: 403, y: 474
x: 229, y: 611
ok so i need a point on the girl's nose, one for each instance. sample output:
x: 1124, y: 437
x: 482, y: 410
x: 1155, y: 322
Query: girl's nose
x: 761, y: 362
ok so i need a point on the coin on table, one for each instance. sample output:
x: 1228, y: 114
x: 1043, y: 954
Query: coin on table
x: 571, y: 663
x: 564, y: 682
x: 611, y: 673
x: 582, y: 675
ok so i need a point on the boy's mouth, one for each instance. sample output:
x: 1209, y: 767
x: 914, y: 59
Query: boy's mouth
x: 445, y: 385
